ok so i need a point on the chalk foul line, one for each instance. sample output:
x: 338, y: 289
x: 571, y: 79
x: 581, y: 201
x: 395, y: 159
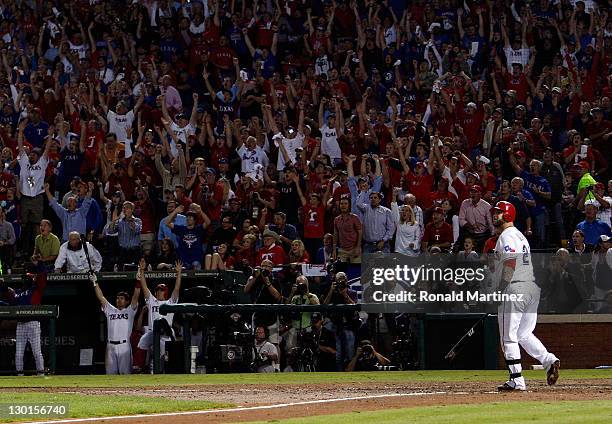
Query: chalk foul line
x: 238, y: 409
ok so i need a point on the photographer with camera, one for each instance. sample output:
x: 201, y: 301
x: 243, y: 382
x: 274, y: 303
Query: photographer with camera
x: 300, y: 295
x: 265, y: 354
x: 344, y: 325
x: 264, y: 288
x: 366, y: 358
x: 325, y: 343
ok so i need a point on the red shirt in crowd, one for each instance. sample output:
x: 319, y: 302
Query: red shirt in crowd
x: 471, y: 125
x: 519, y: 84
x: 438, y: 235
x: 314, y: 222
x: 420, y: 186
x: 274, y: 253
x: 143, y: 209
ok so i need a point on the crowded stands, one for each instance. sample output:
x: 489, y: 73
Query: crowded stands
x: 227, y: 133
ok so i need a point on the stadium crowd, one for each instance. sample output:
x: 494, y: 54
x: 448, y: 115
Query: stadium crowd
x: 229, y: 133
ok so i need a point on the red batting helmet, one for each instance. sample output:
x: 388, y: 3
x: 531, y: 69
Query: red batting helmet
x: 162, y: 287
x: 507, y: 208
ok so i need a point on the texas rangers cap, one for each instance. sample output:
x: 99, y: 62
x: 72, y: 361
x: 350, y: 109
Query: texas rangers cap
x: 476, y: 187
x: 438, y: 209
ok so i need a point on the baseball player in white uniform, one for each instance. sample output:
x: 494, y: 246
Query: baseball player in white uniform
x: 28, y: 331
x: 119, y: 323
x: 154, y: 302
x: 517, y: 318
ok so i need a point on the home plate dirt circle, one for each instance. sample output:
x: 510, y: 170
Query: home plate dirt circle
x: 273, y: 402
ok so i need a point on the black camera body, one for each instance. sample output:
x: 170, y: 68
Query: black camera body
x: 261, y: 272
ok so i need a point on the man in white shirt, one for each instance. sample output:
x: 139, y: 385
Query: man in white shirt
x: 119, y: 323
x: 513, y: 270
x: 120, y: 122
x: 251, y: 154
x: 288, y: 144
x: 154, y: 301
x: 331, y: 130
x: 33, y: 167
x: 265, y: 354
x: 519, y: 51
x: 72, y: 254
x: 604, y: 212
x: 181, y: 127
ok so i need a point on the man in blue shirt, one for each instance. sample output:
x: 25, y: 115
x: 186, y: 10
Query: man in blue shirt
x: 37, y: 131
x: 94, y: 220
x: 73, y: 218
x: 360, y: 187
x: 190, y: 236
x: 286, y: 232
x: 592, y: 227
x: 164, y: 231
x: 71, y: 156
x: 128, y: 229
x: 539, y: 187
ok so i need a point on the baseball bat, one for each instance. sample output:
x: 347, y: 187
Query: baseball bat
x: 86, y: 250
x: 452, y: 353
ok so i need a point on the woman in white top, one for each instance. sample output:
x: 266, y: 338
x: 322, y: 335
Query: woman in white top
x: 407, y: 230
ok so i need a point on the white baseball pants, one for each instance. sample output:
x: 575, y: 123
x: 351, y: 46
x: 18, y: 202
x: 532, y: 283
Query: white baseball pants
x: 517, y: 320
x: 119, y: 358
x: 28, y: 332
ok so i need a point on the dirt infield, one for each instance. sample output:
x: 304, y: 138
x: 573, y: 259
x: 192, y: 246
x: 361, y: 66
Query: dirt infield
x: 322, y: 399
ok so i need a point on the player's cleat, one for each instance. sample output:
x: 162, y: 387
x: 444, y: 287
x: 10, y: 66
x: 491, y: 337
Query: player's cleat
x: 20, y: 374
x: 510, y: 386
x: 552, y: 375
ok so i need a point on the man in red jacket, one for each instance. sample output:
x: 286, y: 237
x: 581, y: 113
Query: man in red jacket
x: 271, y: 249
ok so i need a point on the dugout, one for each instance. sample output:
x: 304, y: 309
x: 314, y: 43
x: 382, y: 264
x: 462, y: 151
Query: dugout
x: 81, y: 325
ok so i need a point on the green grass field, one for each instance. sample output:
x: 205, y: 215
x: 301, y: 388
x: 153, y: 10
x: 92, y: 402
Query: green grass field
x: 146, y: 380
x: 90, y: 406
x: 84, y: 405
x: 515, y: 412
